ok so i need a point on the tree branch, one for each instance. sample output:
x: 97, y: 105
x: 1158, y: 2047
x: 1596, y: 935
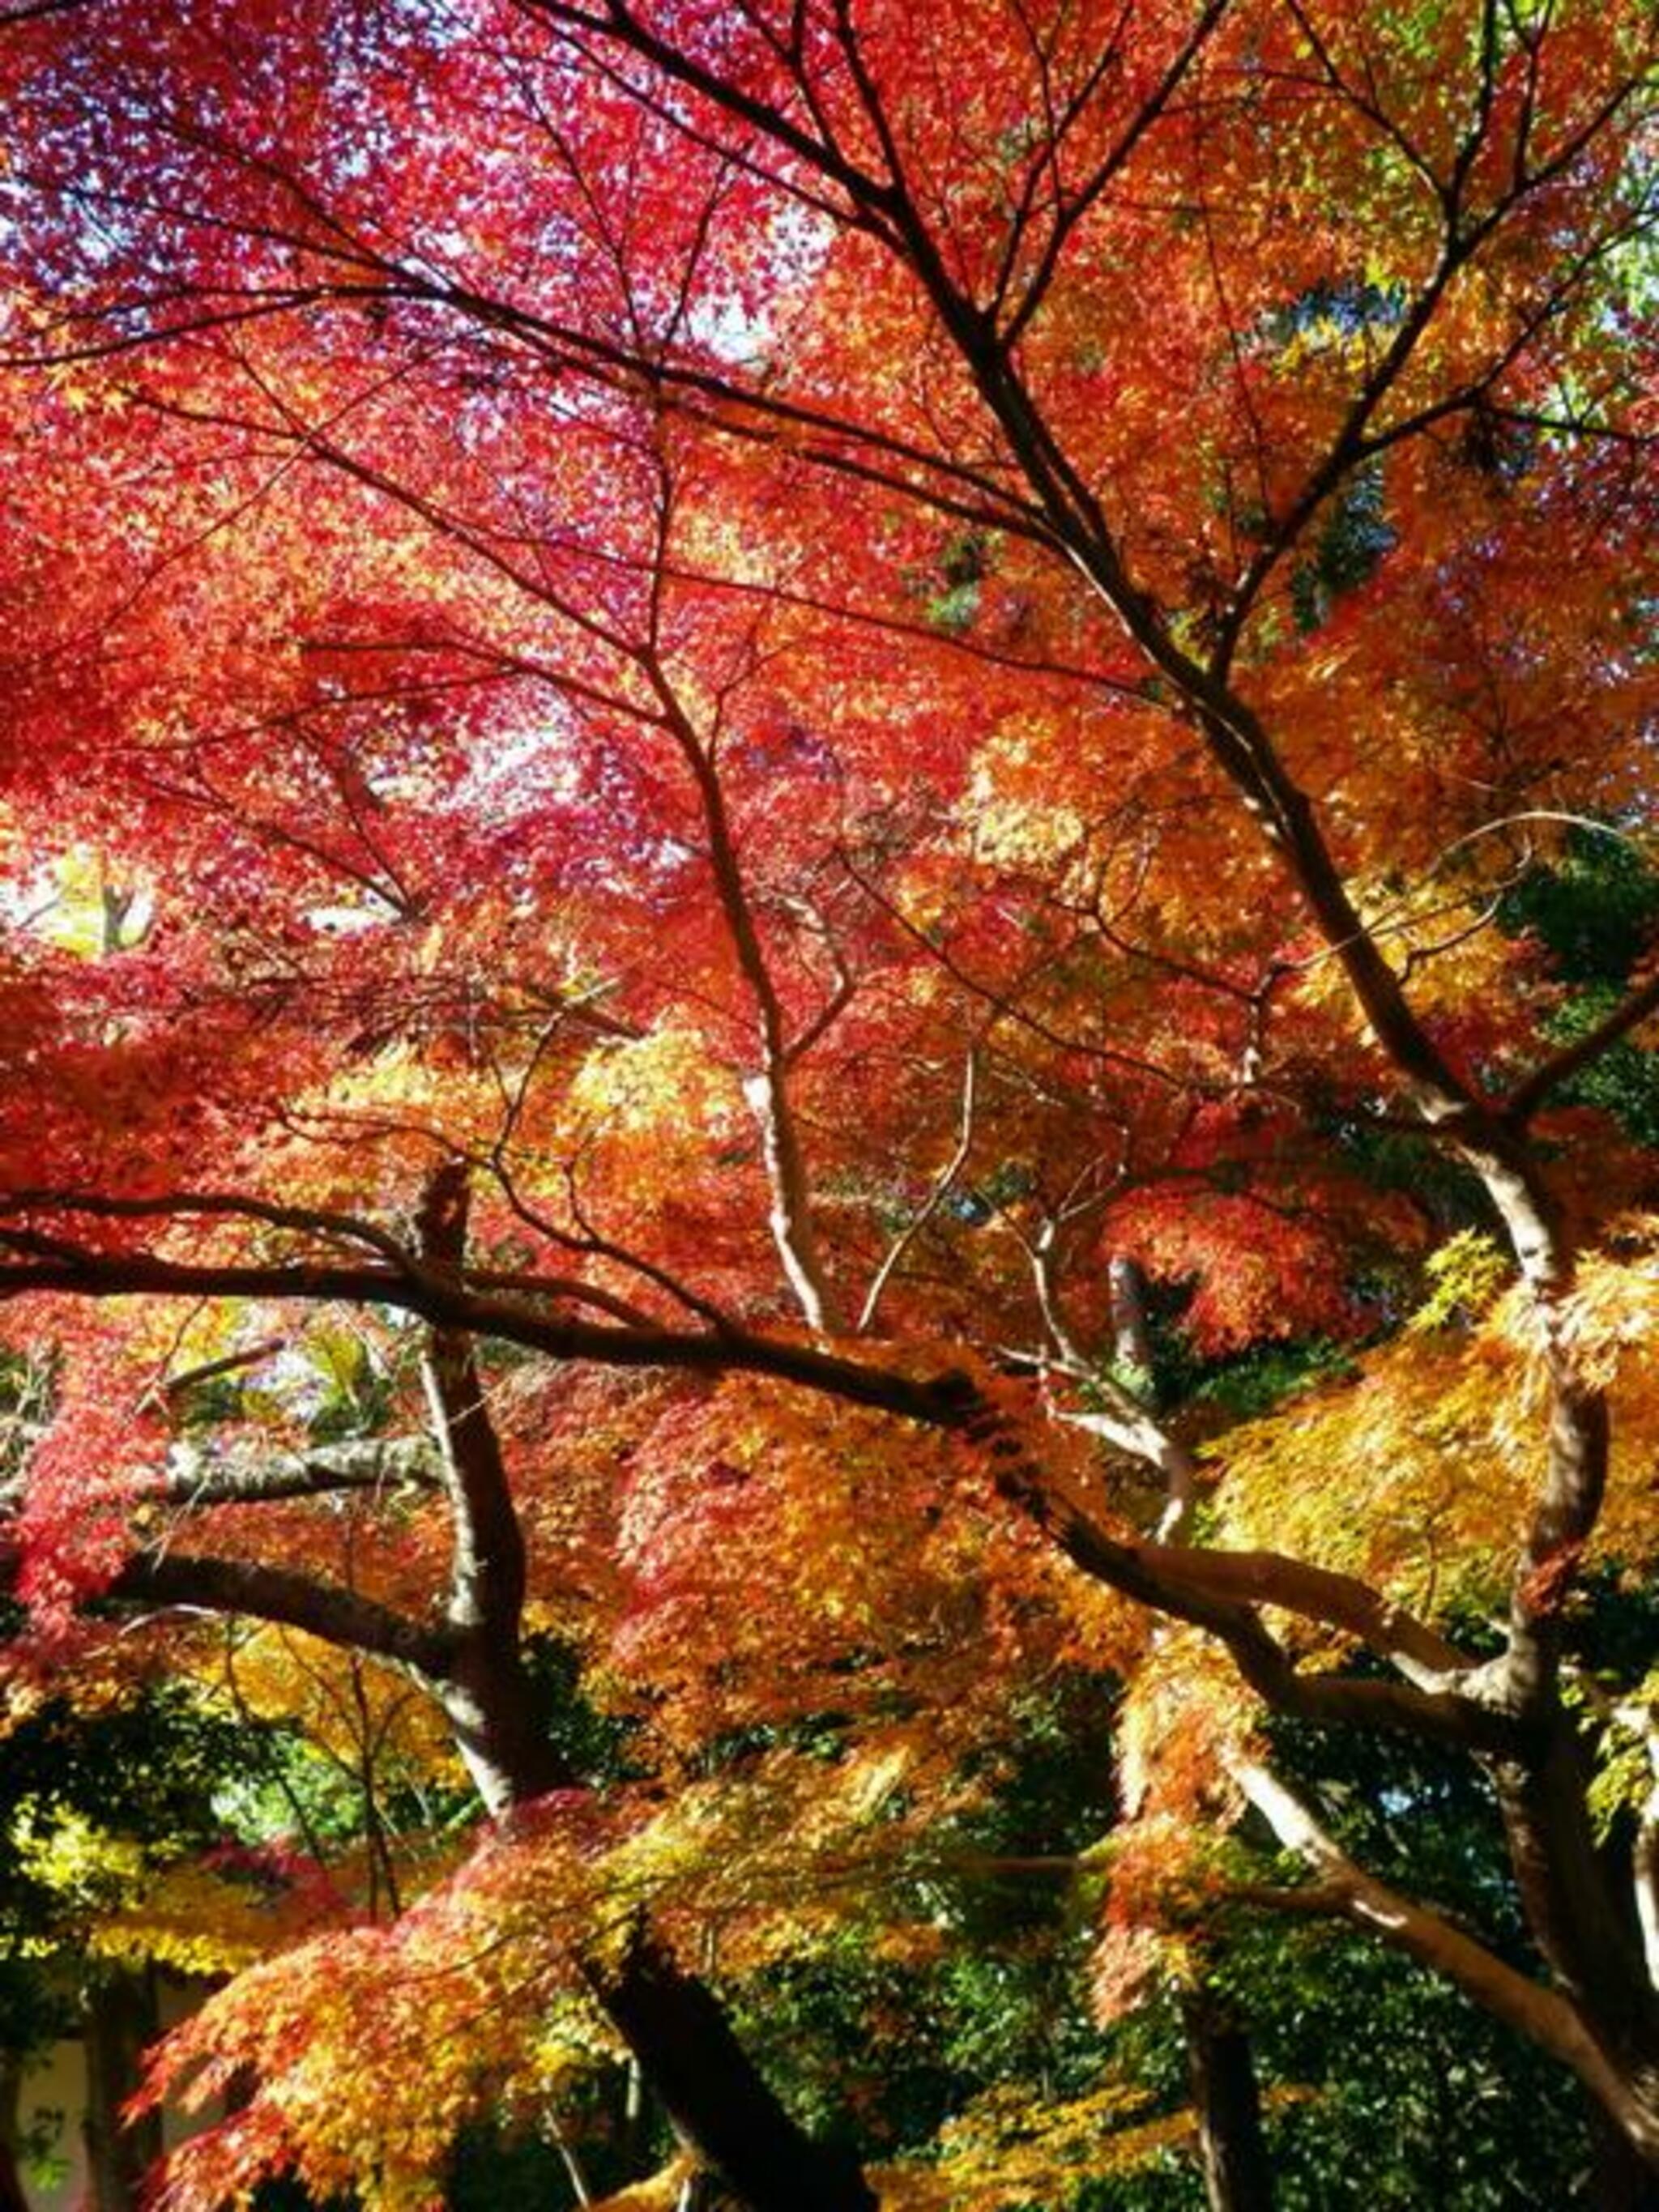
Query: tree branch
x: 1530, y: 1095
x: 336, y: 1615
x: 1541, y: 2015
x: 384, y: 1464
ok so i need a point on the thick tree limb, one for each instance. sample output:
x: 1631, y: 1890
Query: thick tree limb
x: 384, y: 1464
x: 1186, y: 1585
x: 1212, y: 1590
x: 1530, y: 1095
x: 1541, y: 2015
x: 84, y: 1271
x: 280, y: 1594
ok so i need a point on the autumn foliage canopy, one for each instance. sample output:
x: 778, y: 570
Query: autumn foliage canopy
x: 827, y: 832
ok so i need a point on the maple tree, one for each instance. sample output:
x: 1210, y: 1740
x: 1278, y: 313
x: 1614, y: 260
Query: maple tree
x: 785, y: 726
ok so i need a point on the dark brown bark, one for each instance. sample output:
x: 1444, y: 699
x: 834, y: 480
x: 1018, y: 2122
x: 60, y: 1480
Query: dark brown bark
x: 715, y: 2097
x: 712, y: 2091
x: 32, y: 1262
x: 1621, y: 2179
x: 674, y: 2025
x: 12, y: 2198
x: 122, y: 2020
x: 1587, y: 1927
x: 1232, y: 2148
x: 1132, y: 1341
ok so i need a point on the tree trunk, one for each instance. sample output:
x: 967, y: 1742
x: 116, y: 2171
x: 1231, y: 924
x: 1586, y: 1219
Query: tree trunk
x: 1622, y: 2179
x: 122, y: 2021
x: 1588, y: 1925
x: 1132, y: 1341
x: 12, y: 2198
x: 1231, y: 2147
x: 714, y: 2095
x: 717, y: 2099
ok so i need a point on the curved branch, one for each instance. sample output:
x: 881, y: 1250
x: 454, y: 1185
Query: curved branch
x: 335, y: 1615
x: 1541, y: 2015
x: 84, y: 1272
x: 1217, y: 1591
x: 930, y: 1206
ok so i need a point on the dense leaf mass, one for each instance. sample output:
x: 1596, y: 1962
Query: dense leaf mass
x: 828, y: 903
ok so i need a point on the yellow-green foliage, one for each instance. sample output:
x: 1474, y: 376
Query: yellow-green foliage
x: 1010, y: 2147
x: 1420, y: 1474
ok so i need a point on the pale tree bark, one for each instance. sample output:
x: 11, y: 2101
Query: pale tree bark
x: 1545, y: 2017
x: 893, y: 1257
x: 767, y: 1084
